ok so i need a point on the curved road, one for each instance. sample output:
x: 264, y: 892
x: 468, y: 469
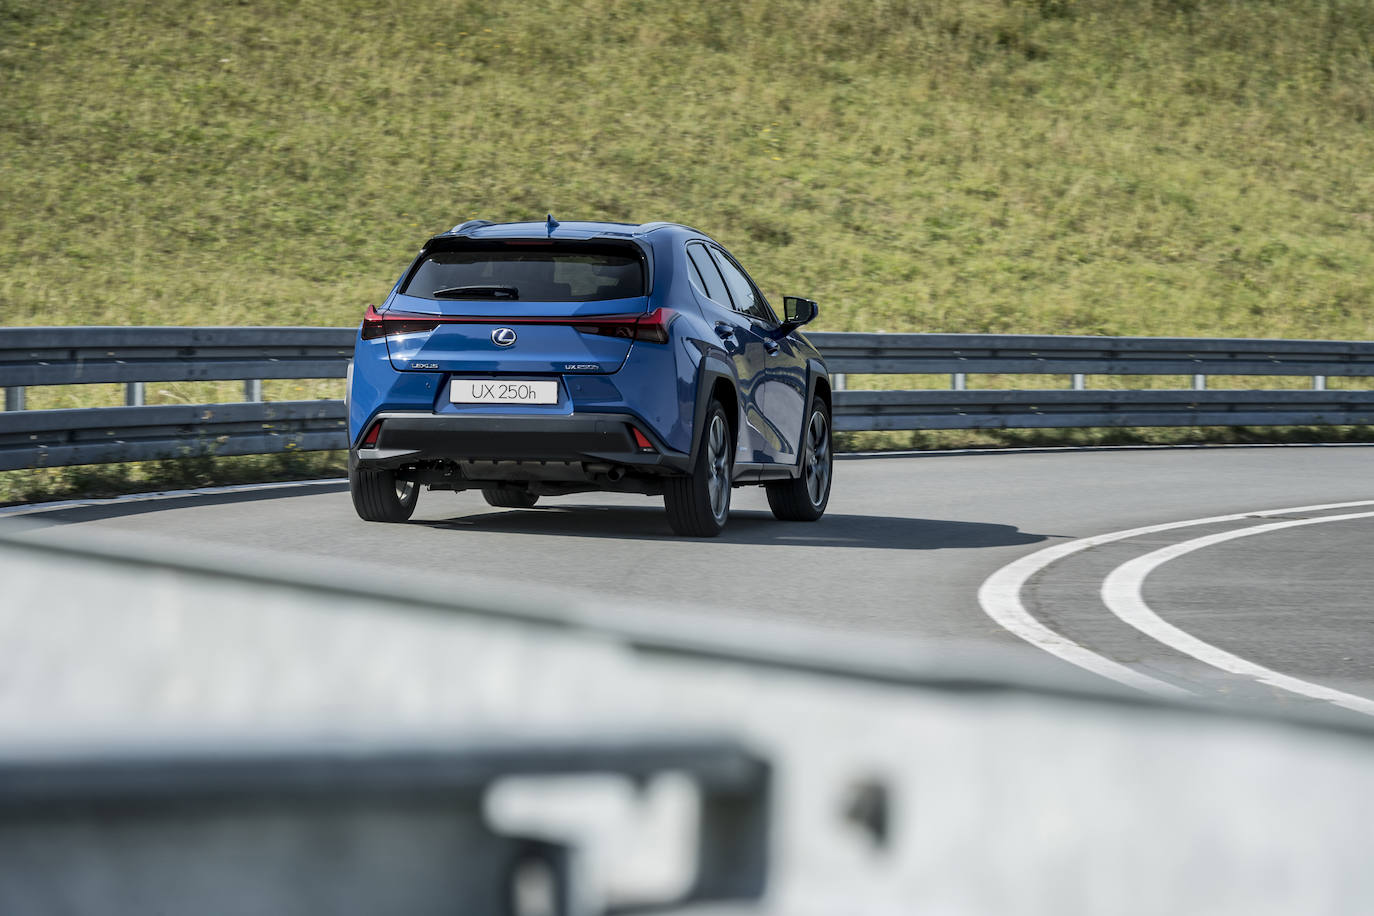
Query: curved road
x: 1181, y: 589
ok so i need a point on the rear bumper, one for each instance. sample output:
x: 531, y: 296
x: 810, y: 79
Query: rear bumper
x: 408, y: 439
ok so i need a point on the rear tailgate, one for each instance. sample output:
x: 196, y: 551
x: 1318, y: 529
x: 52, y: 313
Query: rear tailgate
x: 519, y: 306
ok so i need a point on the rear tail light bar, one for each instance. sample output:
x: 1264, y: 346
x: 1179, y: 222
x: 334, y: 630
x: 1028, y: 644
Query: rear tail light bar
x: 652, y: 327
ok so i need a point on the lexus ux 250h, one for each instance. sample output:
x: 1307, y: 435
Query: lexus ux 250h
x: 542, y: 358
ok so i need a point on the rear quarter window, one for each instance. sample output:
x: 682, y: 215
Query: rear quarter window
x: 707, y: 274
x: 540, y: 272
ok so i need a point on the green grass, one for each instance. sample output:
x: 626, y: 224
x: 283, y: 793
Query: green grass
x: 1163, y: 167
x: 104, y: 480
x: 1192, y: 167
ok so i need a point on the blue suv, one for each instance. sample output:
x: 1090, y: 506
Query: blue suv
x: 542, y: 358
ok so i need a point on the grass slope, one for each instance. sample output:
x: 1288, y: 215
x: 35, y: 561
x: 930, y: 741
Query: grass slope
x: 1191, y: 167
x: 1171, y: 167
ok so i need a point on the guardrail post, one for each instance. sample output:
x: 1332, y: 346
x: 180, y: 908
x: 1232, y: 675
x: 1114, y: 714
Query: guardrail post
x: 1318, y: 383
x: 14, y: 398
x: 1199, y: 383
x: 252, y: 389
x: 1078, y: 381
x: 837, y: 381
x: 958, y: 381
x: 133, y: 394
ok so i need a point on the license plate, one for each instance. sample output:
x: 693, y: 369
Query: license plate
x: 497, y: 391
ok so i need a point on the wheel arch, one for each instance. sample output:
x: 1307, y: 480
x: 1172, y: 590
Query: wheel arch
x: 817, y: 386
x: 716, y: 380
x: 722, y: 390
x: 820, y: 388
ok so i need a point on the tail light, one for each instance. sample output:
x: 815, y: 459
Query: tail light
x: 375, y: 324
x: 652, y: 327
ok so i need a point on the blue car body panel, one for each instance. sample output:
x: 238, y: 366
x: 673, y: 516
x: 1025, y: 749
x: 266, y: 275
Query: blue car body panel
x: 659, y: 388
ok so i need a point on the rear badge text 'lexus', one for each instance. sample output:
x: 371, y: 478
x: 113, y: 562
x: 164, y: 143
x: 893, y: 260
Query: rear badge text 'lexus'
x: 503, y: 337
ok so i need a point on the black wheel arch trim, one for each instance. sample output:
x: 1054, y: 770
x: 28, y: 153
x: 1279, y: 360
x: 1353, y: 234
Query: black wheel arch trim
x: 713, y: 367
x: 816, y: 370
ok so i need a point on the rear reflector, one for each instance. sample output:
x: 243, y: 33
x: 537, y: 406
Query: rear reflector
x: 640, y: 439
x: 371, y: 438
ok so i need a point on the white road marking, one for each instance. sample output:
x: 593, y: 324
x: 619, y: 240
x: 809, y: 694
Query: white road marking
x: 1000, y: 596
x: 29, y: 508
x: 1122, y: 591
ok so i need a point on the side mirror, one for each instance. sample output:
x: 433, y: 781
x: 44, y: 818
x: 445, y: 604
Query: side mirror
x: 797, y: 311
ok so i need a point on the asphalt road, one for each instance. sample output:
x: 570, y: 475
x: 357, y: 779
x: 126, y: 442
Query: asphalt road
x: 904, y: 549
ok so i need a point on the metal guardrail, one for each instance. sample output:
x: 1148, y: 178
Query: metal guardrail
x: 134, y: 356
x: 75, y: 356
x: 1066, y: 355
x: 95, y: 435
x: 961, y: 355
x: 863, y: 410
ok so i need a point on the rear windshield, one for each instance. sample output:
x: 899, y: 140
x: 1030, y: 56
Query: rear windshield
x: 535, y: 270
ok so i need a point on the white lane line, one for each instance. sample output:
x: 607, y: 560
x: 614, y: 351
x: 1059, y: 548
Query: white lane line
x: 1123, y: 592
x: 1000, y: 596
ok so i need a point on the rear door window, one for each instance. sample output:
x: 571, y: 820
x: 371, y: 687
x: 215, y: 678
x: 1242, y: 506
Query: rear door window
x: 563, y: 272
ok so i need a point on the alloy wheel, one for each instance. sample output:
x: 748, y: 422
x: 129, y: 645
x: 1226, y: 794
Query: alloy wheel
x: 817, y: 457
x: 718, y: 466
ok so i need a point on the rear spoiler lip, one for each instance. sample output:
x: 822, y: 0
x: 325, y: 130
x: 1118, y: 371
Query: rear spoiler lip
x: 531, y: 311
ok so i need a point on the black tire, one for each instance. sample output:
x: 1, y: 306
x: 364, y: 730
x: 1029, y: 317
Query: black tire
x: 699, y: 504
x: 804, y: 499
x: 378, y: 496
x: 509, y: 497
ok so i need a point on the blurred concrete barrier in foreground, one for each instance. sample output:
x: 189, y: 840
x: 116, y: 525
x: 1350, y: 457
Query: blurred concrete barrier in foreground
x: 221, y: 734
x: 300, y: 827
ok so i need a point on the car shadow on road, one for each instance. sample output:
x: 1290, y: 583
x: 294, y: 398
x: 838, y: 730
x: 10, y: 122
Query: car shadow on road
x: 745, y: 527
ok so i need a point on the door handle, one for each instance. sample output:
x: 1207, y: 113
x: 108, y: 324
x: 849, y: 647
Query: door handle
x: 725, y: 330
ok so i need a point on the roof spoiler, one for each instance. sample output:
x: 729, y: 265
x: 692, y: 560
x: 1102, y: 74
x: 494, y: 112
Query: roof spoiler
x: 469, y: 226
